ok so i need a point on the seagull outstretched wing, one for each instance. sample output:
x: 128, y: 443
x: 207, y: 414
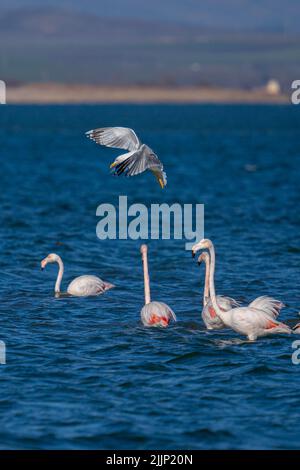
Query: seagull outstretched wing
x: 117, y: 137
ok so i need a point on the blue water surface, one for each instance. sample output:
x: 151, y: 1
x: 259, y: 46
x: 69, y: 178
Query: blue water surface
x: 83, y: 373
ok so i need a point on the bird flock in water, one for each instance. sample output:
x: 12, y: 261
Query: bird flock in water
x: 259, y: 318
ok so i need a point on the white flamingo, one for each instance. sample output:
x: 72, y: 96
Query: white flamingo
x: 249, y: 321
x: 209, y: 316
x: 153, y: 313
x: 81, y: 286
x: 269, y: 305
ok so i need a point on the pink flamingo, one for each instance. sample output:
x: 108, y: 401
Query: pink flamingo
x: 250, y: 321
x: 153, y: 313
x: 81, y: 286
x: 209, y: 316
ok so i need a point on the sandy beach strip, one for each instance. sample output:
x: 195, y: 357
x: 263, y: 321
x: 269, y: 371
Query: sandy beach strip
x: 58, y: 93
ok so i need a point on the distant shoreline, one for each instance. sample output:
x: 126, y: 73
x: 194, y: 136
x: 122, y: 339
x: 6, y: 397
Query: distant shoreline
x: 59, y: 93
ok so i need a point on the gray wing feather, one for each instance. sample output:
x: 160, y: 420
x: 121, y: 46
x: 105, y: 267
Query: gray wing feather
x: 143, y: 159
x: 117, y: 137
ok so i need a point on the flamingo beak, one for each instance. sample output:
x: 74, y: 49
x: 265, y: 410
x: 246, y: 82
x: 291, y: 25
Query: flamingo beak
x: 193, y: 254
x: 43, y: 264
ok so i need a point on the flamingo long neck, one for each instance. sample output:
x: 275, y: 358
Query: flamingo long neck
x: 59, y: 275
x: 206, y: 284
x: 212, y: 283
x: 146, y: 279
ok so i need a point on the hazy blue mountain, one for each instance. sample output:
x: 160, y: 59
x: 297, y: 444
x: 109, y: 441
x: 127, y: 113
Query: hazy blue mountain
x: 139, y: 46
x: 56, y: 23
x: 238, y: 15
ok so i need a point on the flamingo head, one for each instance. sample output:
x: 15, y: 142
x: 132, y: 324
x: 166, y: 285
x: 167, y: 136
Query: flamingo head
x: 143, y: 249
x: 203, y: 257
x: 202, y: 245
x: 52, y: 258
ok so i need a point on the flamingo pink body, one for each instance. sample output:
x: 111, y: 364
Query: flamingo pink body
x: 211, y: 320
x: 153, y: 313
x: 82, y: 286
x: 250, y: 321
x: 157, y: 314
x: 253, y: 323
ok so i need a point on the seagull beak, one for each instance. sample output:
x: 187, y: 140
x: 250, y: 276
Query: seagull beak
x: 161, y: 183
x: 113, y: 165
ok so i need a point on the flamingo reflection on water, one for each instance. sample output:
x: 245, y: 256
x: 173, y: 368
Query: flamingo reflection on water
x: 153, y: 313
x: 81, y: 286
x: 255, y: 320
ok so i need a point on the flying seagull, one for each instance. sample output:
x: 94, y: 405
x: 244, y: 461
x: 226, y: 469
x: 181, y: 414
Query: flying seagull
x: 139, y: 157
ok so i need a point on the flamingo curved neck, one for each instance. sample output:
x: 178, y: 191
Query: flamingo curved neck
x: 212, y: 283
x: 59, y: 275
x: 206, y: 283
x: 146, y: 279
